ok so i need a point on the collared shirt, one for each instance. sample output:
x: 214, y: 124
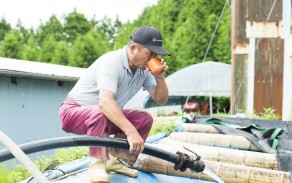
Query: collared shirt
x: 111, y: 72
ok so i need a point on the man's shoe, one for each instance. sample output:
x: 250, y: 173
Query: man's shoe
x: 115, y: 165
x: 97, y: 171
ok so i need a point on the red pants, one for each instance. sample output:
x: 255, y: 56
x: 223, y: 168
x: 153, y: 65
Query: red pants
x: 91, y: 121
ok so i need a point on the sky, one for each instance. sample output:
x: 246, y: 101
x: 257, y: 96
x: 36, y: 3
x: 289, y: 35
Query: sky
x: 33, y: 12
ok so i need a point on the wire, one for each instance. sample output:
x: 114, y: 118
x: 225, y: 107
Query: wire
x: 226, y: 2
x: 268, y: 18
x: 217, y: 25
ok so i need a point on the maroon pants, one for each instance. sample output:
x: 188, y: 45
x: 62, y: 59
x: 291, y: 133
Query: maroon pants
x: 91, y: 121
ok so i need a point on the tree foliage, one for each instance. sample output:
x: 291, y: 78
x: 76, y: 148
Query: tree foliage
x: 4, y: 28
x: 186, y: 26
x: 86, y: 49
x: 11, y: 45
x: 29, y: 51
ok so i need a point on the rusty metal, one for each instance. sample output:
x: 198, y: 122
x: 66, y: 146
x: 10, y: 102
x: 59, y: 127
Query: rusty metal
x: 239, y: 17
x: 184, y: 163
x: 239, y: 91
x: 258, y: 15
x: 189, y: 162
x: 268, y: 85
x: 240, y: 44
x: 258, y: 10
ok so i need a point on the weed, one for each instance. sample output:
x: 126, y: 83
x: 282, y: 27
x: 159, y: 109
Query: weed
x: 43, y: 163
x: 164, y: 127
x: 269, y: 114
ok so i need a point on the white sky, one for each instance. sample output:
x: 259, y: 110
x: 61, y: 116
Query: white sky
x: 32, y: 12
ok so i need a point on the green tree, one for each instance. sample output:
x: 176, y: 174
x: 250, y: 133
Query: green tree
x: 61, y: 54
x: 30, y: 51
x: 53, y: 27
x: 193, y: 33
x: 24, y: 33
x: 187, y: 27
x: 4, y: 28
x: 47, y: 49
x: 11, y: 45
x: 75, y: 24
x: 87, y: 48
x: 109, y: 29
x: 222, y: 48
x: 123, y: 36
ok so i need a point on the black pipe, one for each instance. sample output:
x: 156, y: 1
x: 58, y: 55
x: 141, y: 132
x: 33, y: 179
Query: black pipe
x: 71, y: 141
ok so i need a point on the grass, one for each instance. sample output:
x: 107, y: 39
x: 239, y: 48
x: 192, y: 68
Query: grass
x: 163, y: 124
x: 5, y: 174
x: 62, y: 156
x: 268, y: 114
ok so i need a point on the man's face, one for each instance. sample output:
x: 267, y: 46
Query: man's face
x: 142, y: 56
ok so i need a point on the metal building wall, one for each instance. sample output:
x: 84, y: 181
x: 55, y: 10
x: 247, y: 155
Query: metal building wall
x: 257, y: 56
x: 268, y: 86
x: 239, y: 83
x: 260, y: 10
x: 240, y: 47
x: 29, y: 109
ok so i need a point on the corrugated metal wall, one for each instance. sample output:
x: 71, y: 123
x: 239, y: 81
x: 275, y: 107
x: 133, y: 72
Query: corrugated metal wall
x: 239, y: 17
x: 259, y: 10
x: 268, y: 86
x: 239, y: 83
x: 240, y: 45
x: 268, y: 55
x: 29, y: 109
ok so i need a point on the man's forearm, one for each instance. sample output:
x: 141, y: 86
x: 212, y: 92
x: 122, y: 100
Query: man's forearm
x: 161, y: 91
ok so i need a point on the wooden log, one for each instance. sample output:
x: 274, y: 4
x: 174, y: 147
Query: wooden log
x: 216, y: 140
x: 199, y: 128
x: 227, y: 172
x: 232, y: 156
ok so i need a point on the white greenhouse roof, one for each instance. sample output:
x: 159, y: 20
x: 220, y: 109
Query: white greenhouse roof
x: 204, y: 79
x: 23, y: 68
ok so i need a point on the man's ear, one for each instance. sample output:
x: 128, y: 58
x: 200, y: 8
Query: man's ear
x: 133, y: 48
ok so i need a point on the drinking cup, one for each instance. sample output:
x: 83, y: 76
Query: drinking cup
x: 155, y: 65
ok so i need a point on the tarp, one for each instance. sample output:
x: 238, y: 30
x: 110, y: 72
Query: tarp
x: 276, y: 138
x: 204, y: 79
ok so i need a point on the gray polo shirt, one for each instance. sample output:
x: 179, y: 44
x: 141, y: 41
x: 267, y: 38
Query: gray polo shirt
x: 111, y: 72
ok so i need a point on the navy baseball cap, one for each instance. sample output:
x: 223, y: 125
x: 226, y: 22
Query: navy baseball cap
x: 149, y: 37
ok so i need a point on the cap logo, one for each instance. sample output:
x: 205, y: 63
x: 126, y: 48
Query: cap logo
x: 156, y: 40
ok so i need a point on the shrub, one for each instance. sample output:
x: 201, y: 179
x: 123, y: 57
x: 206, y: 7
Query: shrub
x: 269, y: 114
x: 43, y: 163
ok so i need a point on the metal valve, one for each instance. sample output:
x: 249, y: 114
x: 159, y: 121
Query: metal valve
x: 195, y: 164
